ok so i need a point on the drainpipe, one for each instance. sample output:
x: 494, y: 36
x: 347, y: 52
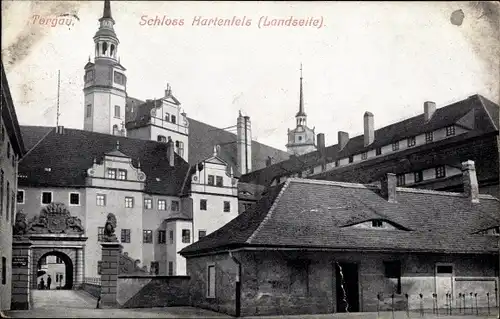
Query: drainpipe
x: 238, y: 281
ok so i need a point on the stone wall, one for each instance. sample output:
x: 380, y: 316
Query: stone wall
x: 280, y: 283
x: 152, y: 291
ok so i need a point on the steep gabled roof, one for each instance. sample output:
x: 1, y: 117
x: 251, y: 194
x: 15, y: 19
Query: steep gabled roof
x: 70, y: 154
x: 476, y: 109
x: 303, y: 213
x: 203, y: 137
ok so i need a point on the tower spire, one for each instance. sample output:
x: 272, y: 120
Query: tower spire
x: 301, y: 99
x: 107, y: 10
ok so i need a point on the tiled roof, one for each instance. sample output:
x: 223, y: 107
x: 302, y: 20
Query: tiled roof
x: 70, y: 154
x: 203, y: 137
x: 304, y: 213
x: 483, y: 111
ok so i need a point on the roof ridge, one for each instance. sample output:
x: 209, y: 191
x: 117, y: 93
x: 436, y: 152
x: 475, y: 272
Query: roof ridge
x: 269, y: 213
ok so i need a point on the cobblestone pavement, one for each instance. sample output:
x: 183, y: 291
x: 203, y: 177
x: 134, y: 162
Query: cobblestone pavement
x: 79, y: 304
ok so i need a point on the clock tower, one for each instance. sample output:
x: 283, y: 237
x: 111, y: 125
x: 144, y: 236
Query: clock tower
x: 105, y: 81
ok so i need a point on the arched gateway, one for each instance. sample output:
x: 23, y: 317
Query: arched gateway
x: 54, y: 232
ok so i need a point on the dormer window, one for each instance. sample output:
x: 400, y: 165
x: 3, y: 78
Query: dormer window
x: 440, y: 172
x: 450, y: 130
x: 172, y: 119
x: 411, y: 141
x: 395, y: 146
x: 122, y: 174
x: 351, y: 159
x: 112, y: 173
x: 377, y: 224
x: 428, y: 137
x: 364, y: 155
x: 219, y: 181
x: 167, y: 117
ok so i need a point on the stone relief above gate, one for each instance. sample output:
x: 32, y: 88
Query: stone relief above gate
x: 54, y: 218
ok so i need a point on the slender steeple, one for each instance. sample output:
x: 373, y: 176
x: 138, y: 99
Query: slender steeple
x: 106, y: 41
x: 107, y: 10
x: 301, y: 115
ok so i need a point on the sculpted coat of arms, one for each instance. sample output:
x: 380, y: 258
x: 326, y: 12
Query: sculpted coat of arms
x: 53, y: 219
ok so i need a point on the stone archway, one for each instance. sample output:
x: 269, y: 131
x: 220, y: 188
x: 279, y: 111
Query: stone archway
x: 67, y: 256
x: 53, y: 232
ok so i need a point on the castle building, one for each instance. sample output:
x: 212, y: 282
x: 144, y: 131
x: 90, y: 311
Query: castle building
x: 11, y: 150
x: 301, y: 139
x: 425, y: 151
x: 167, y: 178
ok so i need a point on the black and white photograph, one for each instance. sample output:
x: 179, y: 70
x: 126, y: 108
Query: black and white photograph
x: 260, y: 159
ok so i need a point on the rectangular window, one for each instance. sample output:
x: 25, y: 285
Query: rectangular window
x: 227, y: 207
x: 147, y: 236
x: 186, y: 236
x: 170, y: 268
x: 299, y: 277
x: 148, y: 203
x: 117, y: 111
x: 4, y: 271
x: 119, y: 78
x: 46, y: 197
x: 101, y: 200
x: 125, y: 235
x: 8, y: 201
x: 378, y: 151
x: 175, y: 206
x: 100, y: 233
x: 180, y: 149
x: 112, y: 173
x: 172, y: 119
x: 74, y: 199
x: 122, y: 174
x: 351, y: 159
x: 1, y: 192
x: 201, y: 233
x: 171, y: 236
x: 20, y: 197
x: 444, y: 269
x: 393, y: 271
x: 429, y: 137
x: 440, y: 172
x: 59, y: 260
x: 337, y: 163
x: 88, y: 110
x: 411, y: 141
x: 167, y: 117
x: 211, y: 281
x: 364, y: 155
x: 450, y: 130
x: 162, y: 237
x: 400, y: 179
x: 161, y: 138
x: 211, y: 180
x: 203, y: 204
x: 419, y: 176
x: 129, y: 202
x: 219, y: 181
x: 162, y: 204
x: 395, y: 146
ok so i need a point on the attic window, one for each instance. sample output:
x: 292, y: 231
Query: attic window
x: 377, y: 223
x: 450, y: 130
x: 48, y: 169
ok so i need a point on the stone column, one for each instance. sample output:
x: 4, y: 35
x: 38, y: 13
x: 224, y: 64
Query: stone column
x: 21, y: 275
x: 80, y: 269
x: 109, y: 273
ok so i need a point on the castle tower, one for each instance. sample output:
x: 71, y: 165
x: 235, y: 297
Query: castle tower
x: 301, y: 140
x: 105, y: 82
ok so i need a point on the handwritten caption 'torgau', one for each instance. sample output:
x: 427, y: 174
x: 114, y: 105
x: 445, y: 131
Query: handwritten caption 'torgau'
x: 262, y: 22
x: 54, y: 21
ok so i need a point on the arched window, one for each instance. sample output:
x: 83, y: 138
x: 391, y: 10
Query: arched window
x: 97, y: 48
x: 112, y: 50
x: 162, y: 138
x: 104, y: 48
x: 115, y: 130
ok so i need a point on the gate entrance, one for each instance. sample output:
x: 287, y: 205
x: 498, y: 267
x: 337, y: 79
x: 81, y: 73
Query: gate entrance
x: 51, y: 243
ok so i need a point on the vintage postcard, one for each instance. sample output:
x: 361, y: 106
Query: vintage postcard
x: 250, y: 159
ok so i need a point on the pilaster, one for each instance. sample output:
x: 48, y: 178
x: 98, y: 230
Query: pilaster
x: 109, y: 273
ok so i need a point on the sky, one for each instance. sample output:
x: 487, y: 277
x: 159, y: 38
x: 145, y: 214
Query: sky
x: 384, y: 57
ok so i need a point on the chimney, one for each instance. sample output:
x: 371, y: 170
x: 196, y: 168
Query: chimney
x: 60, y: 130
x: 471, y: 186
x: 388, y: 187
x: 343, y: 138
x: 269, y: 161
x: 429, y: 109
x: 369, y: 128
x: 170, y: 152
x: 321, y: 142
x: 244, y: 143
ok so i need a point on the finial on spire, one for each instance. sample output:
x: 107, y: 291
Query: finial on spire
x: 301, y: 70
x: 107, y: 10
x: 89, y: 57
x: 301, y: 99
